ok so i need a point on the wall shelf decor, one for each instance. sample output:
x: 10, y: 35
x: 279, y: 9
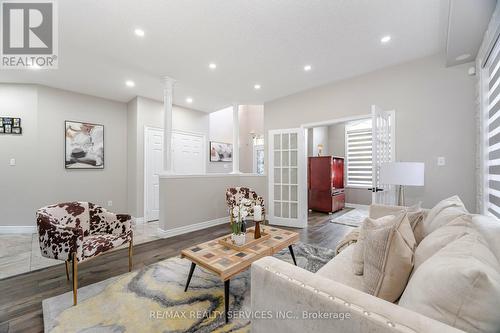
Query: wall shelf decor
x: 9, y: 125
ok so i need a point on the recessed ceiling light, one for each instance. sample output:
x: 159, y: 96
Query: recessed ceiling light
x: 139, y: 32
x: 462, y: 57
x: 257, y: 87
x: 130, y: 83
x: 189, y: 100
x: 385, y: 39
x: 212, y: 65
x: 307, y: 68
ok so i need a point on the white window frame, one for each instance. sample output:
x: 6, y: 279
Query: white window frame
x: 346, y: 176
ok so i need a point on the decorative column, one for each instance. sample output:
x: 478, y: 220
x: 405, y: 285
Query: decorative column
x: 168, y: 90
x: 236, y: 139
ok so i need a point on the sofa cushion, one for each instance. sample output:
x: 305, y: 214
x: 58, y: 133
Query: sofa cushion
x: 97, y: 244
x: 339, y: 269
x: 388, y: 257
x: 459, y: 285
x: 358, y: 251
x: 441, y: 214
x: 489, y: 227
x: 441, y: 237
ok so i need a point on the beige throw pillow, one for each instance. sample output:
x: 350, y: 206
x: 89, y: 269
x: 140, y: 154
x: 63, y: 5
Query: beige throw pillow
x: 443, y: 236
x: 444, y: 212
x: 388, y: 257
x: 358, y: 251
x: 459, y: 285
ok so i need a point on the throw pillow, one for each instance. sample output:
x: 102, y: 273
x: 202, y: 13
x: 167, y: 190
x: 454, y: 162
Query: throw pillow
x: 358, y: 251
x: 459, y: 285
x: 441, y: 237
x: 444, y: 212
x: 388, y: 257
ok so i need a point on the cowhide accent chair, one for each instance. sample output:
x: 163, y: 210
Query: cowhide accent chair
x: 78, y: 231
x: 234, y: 195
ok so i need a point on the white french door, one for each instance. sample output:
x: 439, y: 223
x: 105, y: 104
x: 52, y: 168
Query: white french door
x: 382, y: 152
x: 286, y: 178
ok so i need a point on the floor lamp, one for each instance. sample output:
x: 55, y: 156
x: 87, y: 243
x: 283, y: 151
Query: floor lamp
x: 402, y: 174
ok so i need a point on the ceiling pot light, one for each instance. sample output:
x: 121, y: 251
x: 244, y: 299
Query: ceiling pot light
x: 462, y: 57
x: 189, y: 100
x: 212, y: 65
x: 257, y: 87
x: 385, y: 39
x: 307, y: 68
x: 139, y: 32
x: 130, y: 83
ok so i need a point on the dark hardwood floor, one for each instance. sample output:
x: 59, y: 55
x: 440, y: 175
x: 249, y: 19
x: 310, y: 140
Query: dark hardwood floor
x: 21, y: 296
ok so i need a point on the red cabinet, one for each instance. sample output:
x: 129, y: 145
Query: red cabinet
x: 326, y: 184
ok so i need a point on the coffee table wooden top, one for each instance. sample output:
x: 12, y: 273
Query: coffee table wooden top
x: 227, y: 262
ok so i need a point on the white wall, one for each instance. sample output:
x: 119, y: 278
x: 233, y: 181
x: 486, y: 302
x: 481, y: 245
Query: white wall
x: 39, y: 177
x: 320, y: 137
x: 221, y: 130
x: 143, y: 112
x: 251, y: 119
x: 434, y: 117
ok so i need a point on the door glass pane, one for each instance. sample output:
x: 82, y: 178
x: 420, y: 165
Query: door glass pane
x: 285, y: 141
x: 285, y: 209
x: 277, y: 208
x: 286, y: 195
x: 284, y: 176
x: 286, y: 159
x: 277, y: 192
x: 293, y: 193
x: 293, y: 176
x: 277, y: 141
x: 293, y: 158
x: 277, y: 158
x: 277, y: 175
x: 293, y: 210
x: 293, y: 141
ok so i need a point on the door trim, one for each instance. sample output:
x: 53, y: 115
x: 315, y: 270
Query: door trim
x: 147, y: 129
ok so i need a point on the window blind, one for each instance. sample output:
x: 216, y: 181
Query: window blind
x: 359, y: 156
x: 492, y: 100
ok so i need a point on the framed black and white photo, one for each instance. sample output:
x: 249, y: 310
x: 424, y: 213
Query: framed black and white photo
x: 10, y: 125
x: 221, y: 152
x: 84, y: 145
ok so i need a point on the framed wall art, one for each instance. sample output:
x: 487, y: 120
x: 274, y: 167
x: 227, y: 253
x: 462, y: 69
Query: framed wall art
x: 221, y: 152
x: 84, y: 145
x: 10, y: 125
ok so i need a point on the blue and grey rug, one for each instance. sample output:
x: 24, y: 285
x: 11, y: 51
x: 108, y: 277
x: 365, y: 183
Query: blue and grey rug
x: 153, y: 299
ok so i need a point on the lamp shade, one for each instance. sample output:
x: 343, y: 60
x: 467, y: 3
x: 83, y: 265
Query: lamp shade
x: 402, y: 173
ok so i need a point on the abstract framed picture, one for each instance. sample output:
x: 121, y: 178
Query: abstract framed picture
x: 84, y: 145
x: 221, y: 152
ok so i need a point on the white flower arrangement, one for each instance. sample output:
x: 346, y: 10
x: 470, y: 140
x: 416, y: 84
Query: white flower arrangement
x: 238, y: 214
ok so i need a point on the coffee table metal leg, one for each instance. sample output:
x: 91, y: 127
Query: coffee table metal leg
x: 191, y: 270
x: 226, y: 299
x: 293, y: 254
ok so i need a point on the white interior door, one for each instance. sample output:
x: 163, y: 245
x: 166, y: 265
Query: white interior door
x: 382, y: 152
x: 153, y: 166
x: 287, y: 178
x: 188, y: 153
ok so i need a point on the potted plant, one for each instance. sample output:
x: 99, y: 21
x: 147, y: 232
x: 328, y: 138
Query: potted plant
x: 238, y: 228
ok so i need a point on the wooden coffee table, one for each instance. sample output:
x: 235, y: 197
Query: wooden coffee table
x: 226, y: 262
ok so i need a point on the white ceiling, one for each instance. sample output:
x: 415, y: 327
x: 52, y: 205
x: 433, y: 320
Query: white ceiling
x: 252, y: 41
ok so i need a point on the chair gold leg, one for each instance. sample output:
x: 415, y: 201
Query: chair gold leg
x: 75, y: 278
x: 130, y: 250
x: 67, y: 269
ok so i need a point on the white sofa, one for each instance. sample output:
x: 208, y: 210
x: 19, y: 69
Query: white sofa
x: 335, y: 290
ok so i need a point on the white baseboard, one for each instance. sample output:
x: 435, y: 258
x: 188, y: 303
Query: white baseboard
x: 15, y: 229
x: 192, y: 227
x: 356, y: 206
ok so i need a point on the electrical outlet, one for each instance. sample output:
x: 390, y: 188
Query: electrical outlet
x: 110, y: 203
x: 441, y: 161
x: 12, y: 162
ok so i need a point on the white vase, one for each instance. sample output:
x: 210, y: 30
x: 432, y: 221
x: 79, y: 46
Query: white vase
x: 239, y: 240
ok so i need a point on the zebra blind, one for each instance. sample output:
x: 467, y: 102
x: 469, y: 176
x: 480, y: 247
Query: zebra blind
x: 359, y: 153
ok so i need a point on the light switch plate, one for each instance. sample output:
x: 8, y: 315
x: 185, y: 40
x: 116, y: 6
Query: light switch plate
x: 441, y: 161
x: 12, y: 162
x: 110, y: 203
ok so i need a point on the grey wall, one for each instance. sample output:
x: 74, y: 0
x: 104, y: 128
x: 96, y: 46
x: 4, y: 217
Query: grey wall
x: 251, y: 120
x: 142, y: 112
x: 434, y: 117
x: 39, y: 177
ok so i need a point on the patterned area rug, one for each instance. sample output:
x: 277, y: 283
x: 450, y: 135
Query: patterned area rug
x: 153, y: 299
x: 353, y: 217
